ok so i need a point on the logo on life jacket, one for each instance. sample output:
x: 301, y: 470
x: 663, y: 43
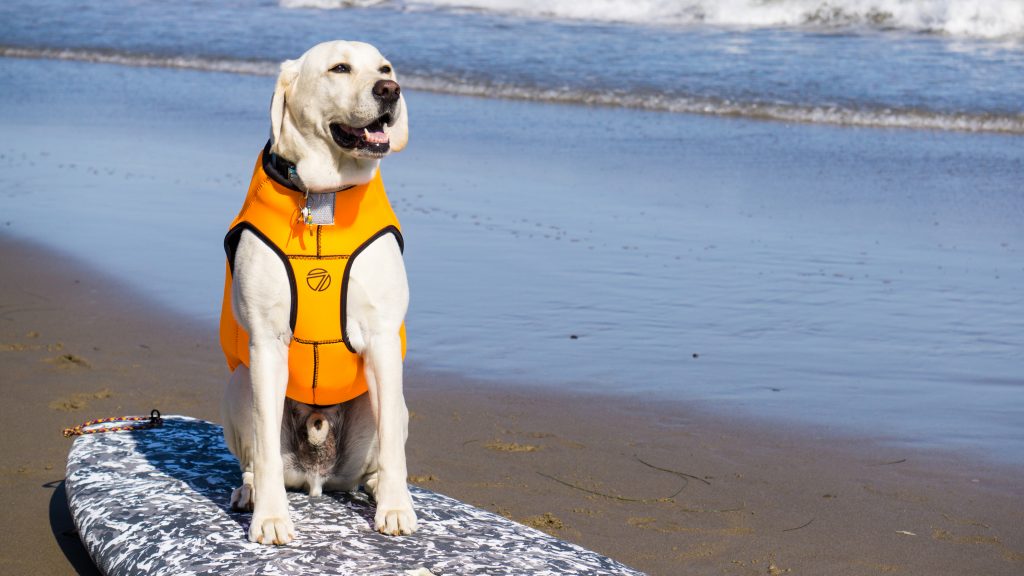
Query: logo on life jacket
x: 318, y: 279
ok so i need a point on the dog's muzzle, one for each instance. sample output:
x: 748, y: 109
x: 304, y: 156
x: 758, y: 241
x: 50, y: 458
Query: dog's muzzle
x: 371, y: 138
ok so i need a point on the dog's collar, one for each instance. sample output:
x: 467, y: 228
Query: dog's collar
x: 283, y: 172
x: 278, y: 169
x: 319, y: 208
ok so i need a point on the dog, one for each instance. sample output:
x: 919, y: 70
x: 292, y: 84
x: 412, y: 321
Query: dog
x: 315, y: 298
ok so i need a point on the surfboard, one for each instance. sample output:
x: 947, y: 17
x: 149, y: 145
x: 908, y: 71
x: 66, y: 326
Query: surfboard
x: 157, y: 502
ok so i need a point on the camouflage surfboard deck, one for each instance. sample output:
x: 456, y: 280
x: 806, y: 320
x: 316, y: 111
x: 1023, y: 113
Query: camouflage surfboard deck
x: 157, y: 502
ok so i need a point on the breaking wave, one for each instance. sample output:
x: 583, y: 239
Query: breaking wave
x: 968, y: 18
x: 675, y: 103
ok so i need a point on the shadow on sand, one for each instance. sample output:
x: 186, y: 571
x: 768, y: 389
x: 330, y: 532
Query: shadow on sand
x: 65, y: 533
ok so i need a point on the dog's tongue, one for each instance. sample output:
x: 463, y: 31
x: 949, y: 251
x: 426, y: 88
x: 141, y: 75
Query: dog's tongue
x: 378, y: 137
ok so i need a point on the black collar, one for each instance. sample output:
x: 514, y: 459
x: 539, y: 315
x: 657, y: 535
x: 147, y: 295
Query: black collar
x: 278, y: 168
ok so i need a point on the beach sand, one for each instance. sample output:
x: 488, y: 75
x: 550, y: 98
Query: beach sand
x: 659, y: 486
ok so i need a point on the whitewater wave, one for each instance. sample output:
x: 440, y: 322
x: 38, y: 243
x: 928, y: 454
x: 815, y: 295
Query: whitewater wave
x: 674, y: 103
x: 329, y: 4
x: 996, y: 19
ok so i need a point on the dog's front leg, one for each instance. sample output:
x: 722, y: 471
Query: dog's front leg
x: 269, y: 369
x: 378, y: 297
x: 383, y: 360
x: 261, y: 300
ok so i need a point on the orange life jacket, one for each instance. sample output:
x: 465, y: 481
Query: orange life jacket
x: 322, y: 366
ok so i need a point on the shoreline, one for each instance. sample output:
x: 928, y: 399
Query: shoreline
x: 661, y: 487
x: 778, y: 253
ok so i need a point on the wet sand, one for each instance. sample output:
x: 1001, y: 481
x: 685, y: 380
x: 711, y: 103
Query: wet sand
x: 663, y: 487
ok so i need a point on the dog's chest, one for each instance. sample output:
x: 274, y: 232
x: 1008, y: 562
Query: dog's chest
x: 317, y: 461
x: 310, y: 470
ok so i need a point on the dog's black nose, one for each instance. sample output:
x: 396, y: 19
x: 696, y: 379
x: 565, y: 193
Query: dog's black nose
x: 387, y: 91
x: 318, y: 424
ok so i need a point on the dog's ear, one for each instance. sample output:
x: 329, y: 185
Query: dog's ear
x: 289, y: 72
x: 399, y: 133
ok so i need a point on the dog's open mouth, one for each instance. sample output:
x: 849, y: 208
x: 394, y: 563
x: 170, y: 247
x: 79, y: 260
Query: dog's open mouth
x: 371, y: 138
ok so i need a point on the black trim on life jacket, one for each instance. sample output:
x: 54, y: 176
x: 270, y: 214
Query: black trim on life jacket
x: 231, y: 240
x: 348, y: 269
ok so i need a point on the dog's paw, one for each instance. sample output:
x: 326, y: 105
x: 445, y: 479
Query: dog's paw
x: 395, y: 515
x: 269, y: 530
x: 395, y: 521
x: 241, y: 498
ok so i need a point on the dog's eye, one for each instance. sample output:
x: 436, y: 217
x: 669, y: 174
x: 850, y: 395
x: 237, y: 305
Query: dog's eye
x: 385, y: 69
x: 341, y: 69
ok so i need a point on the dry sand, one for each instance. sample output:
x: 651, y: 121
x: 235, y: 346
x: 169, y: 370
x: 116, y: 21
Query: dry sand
x: 665, y: 488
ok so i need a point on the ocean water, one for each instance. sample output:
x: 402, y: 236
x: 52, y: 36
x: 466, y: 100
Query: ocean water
x: 941, y: 64
x: 796, y: 210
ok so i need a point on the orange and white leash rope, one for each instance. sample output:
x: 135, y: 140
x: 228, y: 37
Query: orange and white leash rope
x: 152, y: 421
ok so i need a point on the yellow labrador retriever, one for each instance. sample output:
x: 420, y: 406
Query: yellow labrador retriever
x: 336, y: 111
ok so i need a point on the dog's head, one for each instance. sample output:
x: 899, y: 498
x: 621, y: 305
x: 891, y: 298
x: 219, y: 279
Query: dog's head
x: 336, y: 111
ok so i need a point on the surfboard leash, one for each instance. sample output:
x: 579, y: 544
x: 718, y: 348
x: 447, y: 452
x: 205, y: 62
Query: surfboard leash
x: 129, y: 423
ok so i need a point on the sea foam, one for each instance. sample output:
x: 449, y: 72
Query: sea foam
x: 910, y: 118
x: 968, y: 18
